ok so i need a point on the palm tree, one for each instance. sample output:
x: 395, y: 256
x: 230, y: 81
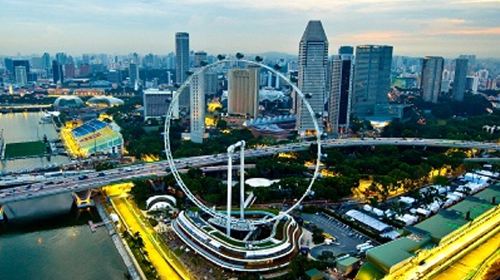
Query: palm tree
x: 140, y: 242
x: 126, y: 234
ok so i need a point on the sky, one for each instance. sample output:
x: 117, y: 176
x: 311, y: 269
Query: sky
x: 417, y: 28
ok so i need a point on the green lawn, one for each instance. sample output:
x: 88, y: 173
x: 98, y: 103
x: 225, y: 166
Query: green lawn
x: 25, y: 149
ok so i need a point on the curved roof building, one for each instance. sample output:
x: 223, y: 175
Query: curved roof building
x: 68, y: 101
x: 92, y: 137
x: 104, y: 101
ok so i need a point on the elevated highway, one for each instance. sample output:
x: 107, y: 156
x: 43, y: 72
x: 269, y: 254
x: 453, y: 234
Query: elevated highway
x: 92, y: 180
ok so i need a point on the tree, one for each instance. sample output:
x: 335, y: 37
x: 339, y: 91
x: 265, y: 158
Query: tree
x: 440, y: 180
x: 141, y: 192
x: 222, y: 124
x: 318, y: 237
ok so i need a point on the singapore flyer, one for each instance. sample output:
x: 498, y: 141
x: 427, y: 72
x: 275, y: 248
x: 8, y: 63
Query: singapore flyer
x: 170, y: 158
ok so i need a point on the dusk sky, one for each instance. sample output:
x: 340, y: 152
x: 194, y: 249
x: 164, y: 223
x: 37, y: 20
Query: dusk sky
x: 425, y: 27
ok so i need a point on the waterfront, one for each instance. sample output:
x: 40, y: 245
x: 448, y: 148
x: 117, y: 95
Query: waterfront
x: 22, y: 127
x: 51, y: 241
x: 60, y: 247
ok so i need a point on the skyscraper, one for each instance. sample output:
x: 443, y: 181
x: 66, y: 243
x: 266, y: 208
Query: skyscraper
x: 372, y: 76
x: 211, y: 83
x: 312, y: 79
x: 69, y: 70
x: 459, y: 82
x: 199, y: 57
x: 11, y: 65
x: 156, y: 103
x: 57, y: 72
x: 21, y: 75
x: 182, y: 65
x: 46, y: 61
x: 197, y: 107
x: 133, y: 73
x: 339, y: 105
x: 61, y: 58
x: 471, y: 59
x: 472, y: 84
x: 243, y: 91
x: 432, y: 73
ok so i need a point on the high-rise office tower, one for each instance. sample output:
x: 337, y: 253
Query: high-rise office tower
x: 472, y: 84
x: 21, y: 75
x: 69, y: 70
x: 9, y: 65
x: 339, y: 104
x: 471, y: 59
x: 37, y: 62
x: 243, y: 91
x: 199, y: 57
x: 432, y: 73
x: 156, y: 103
x: 46, y: 61
x: 460, y: 80
x: 197, y: 108
x: 346, y: 50
x: 57, y: 72
x: 372, y: 78
x: 182, y: 65
x: 24, y: 63
x: 312, y: 76
x: 211, y: 83
x: 133, y: 73
x: 61, y: 58
x: 114, y: 76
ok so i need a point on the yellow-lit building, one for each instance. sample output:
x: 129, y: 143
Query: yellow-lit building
x: 93, y: 137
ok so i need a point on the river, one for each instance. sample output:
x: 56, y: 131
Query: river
x: 57, y: 247
x: 23, y: 127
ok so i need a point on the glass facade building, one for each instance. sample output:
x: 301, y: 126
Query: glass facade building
x: 312, y: 78
x: 372, y: 76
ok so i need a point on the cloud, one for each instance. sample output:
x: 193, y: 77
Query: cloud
x: 374, y: 37
x: 415, y: 26
x: 493, y: 31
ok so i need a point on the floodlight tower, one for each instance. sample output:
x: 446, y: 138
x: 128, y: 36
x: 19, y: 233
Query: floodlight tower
x: 230, y: 153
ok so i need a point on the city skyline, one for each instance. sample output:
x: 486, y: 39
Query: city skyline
x: 446, y: 28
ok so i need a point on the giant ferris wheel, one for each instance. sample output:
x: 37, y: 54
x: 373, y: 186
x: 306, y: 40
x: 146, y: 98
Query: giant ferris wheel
x: 227, y: 216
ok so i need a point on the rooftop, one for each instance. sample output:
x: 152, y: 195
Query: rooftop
x: 396, y: 251
x: 314, y: 32
x: 428, y: 233
x: 347, y: 261
x: 448, y: 220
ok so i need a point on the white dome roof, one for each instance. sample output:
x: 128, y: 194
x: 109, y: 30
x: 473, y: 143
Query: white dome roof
x: 68, y: 101
x: 108, y: 101
x: 260, y: 182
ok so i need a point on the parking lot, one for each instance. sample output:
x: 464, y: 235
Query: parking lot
x: 346, y: 237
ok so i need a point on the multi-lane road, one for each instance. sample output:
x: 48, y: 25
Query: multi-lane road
x: 91, y: 180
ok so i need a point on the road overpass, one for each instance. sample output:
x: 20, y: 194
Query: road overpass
x: 92, y: 180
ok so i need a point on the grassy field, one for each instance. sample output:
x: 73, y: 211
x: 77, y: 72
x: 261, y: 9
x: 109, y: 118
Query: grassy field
x: 24, y: 149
